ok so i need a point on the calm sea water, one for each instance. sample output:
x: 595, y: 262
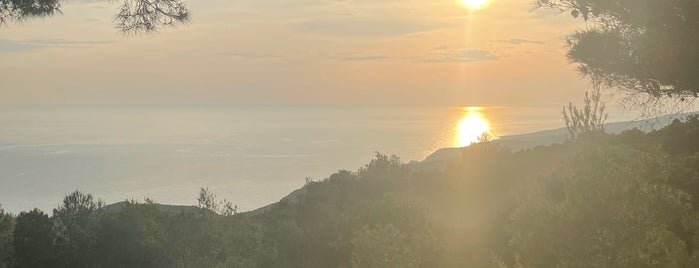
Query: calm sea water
x: 252, y: 156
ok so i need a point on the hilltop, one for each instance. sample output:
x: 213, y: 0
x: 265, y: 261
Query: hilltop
x: 445, y: 156
x: 553, y: 136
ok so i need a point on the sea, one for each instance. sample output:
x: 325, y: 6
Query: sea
x: 249, y: 155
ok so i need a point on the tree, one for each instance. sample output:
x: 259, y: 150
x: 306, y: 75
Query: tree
x: 149, y: 15
x: 33, y: 239
x: 207, y: 200
x: 589, y: 120
x: 132, y: 237
x: 11, y: 10
x: 380, y: 174
x: 484, y: 137
x: 611, y: 208
x: 384, y: 246
x: 76, y: 226
x: 643, y: 47
x: 380, y: 166
x: 135, y: 16
x: 7, y: 226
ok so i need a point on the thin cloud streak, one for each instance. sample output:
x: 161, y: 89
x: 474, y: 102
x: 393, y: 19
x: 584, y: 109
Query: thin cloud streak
x: 8, y: 45
x: 463, y: 55
x: 366, y: 27
x: 366, y: 58
x: 517, y: 41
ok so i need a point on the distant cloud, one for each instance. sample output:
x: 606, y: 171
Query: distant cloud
x: 7, y: 45
x: 13, y: 46
x: 280, y: 4
x: 516, y: 41
x: 252, y: 55
x: 365, y: 27
x: 366, y: 58
x: 63, y: 42
x: 463, y: 55
x: 441, y: 47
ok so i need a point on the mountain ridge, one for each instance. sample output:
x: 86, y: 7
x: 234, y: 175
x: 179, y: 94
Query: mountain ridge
x: 443, y: 156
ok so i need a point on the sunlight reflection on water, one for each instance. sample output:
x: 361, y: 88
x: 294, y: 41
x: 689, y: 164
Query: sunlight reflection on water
x: 472, y: 125
x: 462, y: 125
x: 253, y: 154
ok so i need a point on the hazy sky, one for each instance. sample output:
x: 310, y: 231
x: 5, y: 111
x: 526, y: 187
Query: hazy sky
x: 434, y: 52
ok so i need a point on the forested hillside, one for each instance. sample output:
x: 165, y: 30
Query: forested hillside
x: 613, y: 200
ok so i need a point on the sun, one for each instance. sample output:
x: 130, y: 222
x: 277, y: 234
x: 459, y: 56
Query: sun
x: 471, y: 126
x: 474, y: 4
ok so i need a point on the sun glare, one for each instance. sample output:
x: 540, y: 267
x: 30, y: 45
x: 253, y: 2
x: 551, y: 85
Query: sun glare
x: 472, y: 125
x: 473, y: 4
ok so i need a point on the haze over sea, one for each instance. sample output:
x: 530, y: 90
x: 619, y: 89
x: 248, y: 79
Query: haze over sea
x: 251, y: 155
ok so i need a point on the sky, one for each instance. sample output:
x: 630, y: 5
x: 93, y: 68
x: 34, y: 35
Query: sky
x: 296, y: 52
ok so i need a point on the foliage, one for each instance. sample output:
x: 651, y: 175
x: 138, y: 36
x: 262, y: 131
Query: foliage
x: 384, y: 247
x: 7, y: 226
x: 484, y: 137
x: 380, y: 166
x: 75, y: 228
x: 641, y: 46
x: 586, y: 122
x: 135, y: 16
x: 207, y: 201
x: 33, y: 239
x: 611, y: 209
x: 130, y: 237
x: 23, y: 9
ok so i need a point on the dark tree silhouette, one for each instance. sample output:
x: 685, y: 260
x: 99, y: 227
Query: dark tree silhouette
x: 75, y: 227
x: 33, y: 239
x: 7, y: 226
x: 11, y: 10
x: 135, y: 16
x: 150, y: 15
x: 638, y: 46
